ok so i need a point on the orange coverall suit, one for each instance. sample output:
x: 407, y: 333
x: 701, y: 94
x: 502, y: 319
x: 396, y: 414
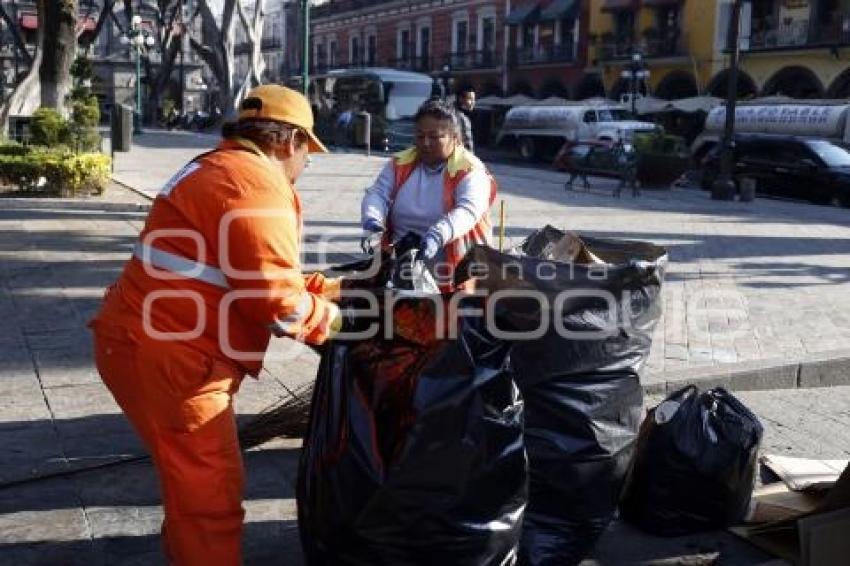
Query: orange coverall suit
x: 215, y: 272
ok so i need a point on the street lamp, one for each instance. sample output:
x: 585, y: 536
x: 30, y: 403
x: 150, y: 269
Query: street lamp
x: 445, y: 79
x: 636, y: 72
x: 724, y: 186
x: 140, y: 40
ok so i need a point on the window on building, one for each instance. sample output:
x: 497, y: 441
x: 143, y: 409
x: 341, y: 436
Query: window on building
x: 404, y: 45
x: 624, y: 26
x: 528, y: 35
x: 461, y: 37
x: 371, y: 50
x: 488, y: 34
x: 354, y: 55
x: 424, y: 43
x: 332, y: 58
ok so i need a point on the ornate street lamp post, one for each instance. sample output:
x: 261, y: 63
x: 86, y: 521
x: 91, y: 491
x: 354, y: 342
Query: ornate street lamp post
x: 635, y: 73
x: 724, y: 187
x: 140, y: 40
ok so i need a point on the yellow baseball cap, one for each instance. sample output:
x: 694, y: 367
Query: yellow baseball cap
x: 281, y: 104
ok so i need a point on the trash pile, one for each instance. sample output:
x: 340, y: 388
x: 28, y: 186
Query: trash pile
x: 516, y: 439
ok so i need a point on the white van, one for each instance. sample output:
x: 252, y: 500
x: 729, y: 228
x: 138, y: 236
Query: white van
x: 542, y: 129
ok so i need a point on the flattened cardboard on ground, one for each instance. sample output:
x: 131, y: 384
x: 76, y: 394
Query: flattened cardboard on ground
x: 810, y: 530
x: 805, y: 473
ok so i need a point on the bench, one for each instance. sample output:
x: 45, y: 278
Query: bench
x: 598, y: 159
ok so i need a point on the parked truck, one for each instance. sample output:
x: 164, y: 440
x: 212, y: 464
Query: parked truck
x: 540, y: 131
x: 824, y: 119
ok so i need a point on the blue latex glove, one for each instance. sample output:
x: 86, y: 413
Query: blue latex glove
x: 372, y: 225
x: 373, y: 233
x: 430, y: 247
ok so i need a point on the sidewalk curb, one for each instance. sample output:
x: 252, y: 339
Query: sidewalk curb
x: 71, y: 204
x: 822, y: 369
x: 132, y: 189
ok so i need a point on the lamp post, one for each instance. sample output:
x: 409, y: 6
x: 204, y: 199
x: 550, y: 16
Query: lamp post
x: 305, y: 48
x: 445, y: 78
x: 636, y: 72
x: 724, y: 186
x: 140, y: 40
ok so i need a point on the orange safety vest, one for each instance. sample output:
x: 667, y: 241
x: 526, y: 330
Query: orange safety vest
x: 217, y: 265
x: 459, y: 165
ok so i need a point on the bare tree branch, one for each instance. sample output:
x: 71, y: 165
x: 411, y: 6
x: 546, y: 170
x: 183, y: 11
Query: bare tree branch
x: 28, y: 89
x: 12, y: 27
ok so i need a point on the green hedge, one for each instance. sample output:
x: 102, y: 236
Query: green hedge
x: 54, y: 171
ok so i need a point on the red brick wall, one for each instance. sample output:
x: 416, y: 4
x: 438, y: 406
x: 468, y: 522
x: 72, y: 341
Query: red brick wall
x: 441, y: 42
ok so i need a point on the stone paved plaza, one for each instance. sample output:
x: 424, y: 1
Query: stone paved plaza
x: 756, y: 296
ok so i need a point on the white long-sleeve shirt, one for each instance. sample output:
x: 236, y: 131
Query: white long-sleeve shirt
x: 418, y: 206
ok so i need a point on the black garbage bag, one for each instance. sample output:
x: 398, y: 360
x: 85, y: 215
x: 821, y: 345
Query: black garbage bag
x: 583, y: 332
x: 695, y: 464
x: 414, y: 453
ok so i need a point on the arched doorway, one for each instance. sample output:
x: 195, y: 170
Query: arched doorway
x: 521, y: 87
x: 676, y: 85
x: 590, y: 86
x: 490, y: 88
x: 746, y: 85
x: 554, y: 87
x: 796, y: 82
x: 624, y: 86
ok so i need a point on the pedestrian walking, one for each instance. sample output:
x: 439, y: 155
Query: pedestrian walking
x: 215, y: 273
x: 465, y: 104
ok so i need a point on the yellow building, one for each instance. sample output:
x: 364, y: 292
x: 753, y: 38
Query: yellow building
x: 797, y: 48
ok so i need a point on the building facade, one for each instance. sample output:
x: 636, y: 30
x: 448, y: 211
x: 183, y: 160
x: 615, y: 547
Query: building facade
x: 582, y: 48
x: 496, y: 46
x: 796, y: 48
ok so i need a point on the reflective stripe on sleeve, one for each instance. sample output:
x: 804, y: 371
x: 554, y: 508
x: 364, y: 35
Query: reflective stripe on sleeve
x: 286, y: 324
x: 182, y: 266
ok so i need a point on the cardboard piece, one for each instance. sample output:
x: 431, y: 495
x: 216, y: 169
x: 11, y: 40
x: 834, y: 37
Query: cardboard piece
x: 802, y: 527
x: 805, y: 473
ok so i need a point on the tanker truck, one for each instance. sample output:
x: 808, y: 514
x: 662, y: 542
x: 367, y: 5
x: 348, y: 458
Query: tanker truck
x: 824, y: 120
x: 540, y: 131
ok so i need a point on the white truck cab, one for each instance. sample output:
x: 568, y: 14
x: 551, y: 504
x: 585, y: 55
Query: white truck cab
x: 540, y: 128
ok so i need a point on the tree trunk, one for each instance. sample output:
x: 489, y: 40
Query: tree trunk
x: 60, y: 47
x: 20, y: 101
x: 216, y: 50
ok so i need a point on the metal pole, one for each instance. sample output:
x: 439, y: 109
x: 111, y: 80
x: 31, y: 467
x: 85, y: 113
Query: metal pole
x: 305, y: 55
x: 502, y: 226
x: 182, y: 50
x: 634, y: 88
x: 724, y: 186
x: 139, y: 115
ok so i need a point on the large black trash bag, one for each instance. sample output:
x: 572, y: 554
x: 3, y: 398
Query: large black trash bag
x: 582, y: 393
x: 695, y: 464
x: 414, y: 453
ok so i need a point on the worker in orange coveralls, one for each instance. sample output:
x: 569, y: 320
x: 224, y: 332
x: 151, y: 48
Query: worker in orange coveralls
x: 214, y: 274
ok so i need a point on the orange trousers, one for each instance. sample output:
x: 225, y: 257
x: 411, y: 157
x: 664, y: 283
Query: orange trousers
x: 179, y: 401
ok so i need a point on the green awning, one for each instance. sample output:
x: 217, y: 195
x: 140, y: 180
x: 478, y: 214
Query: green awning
x: 525, y: 14
x: 559, y: 9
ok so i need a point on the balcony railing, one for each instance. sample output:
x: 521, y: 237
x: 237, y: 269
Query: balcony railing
x: 617, y: 49
x: 470, y: 60
x: 792, y: 33
x: 420, y: 63
x: 543, y: 54
x: 800, y: 33
x: 664, y: 45
x: 341, y: 6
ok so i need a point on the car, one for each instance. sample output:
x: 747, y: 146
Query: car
x: 811, y: 169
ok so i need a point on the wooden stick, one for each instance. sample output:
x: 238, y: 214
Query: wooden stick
x: 502, y: 226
